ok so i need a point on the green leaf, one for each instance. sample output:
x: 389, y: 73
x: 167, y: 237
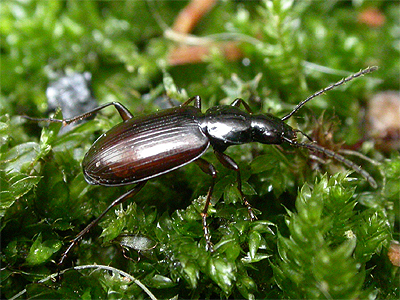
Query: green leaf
x: 41, y: 252
x: 162, y: 282
x: 222, y: 272
x: 254, y: 243
x: 20, y: 184
x: 114, y: 228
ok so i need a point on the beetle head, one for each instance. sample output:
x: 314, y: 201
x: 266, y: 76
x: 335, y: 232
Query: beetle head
x: 268, y: 129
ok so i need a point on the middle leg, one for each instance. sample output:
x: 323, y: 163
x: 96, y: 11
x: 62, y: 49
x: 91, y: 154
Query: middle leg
x: 229, y: 163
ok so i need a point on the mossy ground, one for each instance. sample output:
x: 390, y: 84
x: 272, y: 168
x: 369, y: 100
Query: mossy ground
x: 317, y: 236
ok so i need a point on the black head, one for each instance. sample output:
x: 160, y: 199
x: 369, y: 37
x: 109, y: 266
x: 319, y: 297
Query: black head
x: 268, y: 129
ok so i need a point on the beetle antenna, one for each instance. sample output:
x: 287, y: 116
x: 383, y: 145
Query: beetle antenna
x: 328, y: 88
x: 338, y: 157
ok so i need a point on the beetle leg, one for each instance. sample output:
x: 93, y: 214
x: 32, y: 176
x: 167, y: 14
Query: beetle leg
x: 209, y: 169
x: 119, y: 200
x: 239, y: 101
x: 197, y: 102
x: 229, y: 163
x: 122, y: 110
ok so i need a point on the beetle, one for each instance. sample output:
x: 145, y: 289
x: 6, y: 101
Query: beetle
x: 138, y: 149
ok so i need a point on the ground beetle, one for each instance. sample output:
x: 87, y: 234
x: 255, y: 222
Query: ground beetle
x: 139, y: 149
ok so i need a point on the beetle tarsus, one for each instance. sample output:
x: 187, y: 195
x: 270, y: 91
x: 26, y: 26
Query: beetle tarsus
x: 252, y: 215
x: 206, y: 231
x: 117, y: 201
x: 209, y: 169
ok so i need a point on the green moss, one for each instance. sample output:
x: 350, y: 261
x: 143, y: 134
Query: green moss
x: 317, y: 236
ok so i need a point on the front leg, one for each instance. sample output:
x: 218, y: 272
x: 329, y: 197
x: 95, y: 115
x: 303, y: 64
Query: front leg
x: 209, y: 169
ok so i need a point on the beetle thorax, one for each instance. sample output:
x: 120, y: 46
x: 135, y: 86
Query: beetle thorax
x: 226, y: 126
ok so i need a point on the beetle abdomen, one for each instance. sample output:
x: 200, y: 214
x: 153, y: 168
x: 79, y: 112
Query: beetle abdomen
x: 142, y: 148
